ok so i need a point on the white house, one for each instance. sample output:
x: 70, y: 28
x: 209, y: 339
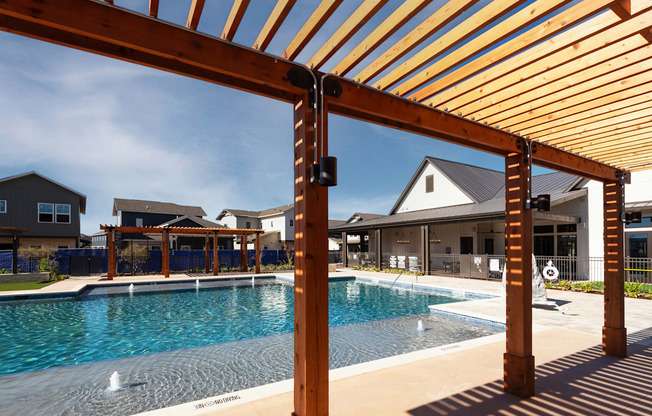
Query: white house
x: 278, y: 224
x: 449, y: 210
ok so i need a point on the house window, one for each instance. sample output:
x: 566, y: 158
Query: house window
x: 430, y: 183
x: 248, y: 224
x: 62, y: 247
x: 139, y: 222
x: 185, y: 248
x: 45, y: 212
x: 63, y: 213
x: 3, y: 206
x: 291, y: 223
x: 271, y: 223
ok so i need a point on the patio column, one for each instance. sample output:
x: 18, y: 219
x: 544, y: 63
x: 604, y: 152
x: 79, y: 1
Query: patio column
x: 257, y: 253
x: 207, y: 249
x: 425, y: 252
x: 243, y: 253
x: 165, y: 255
x: 345, y: 256
x: 379, y: 249
x: 112, y: 266
x: 14, y: 253
x: 216, y: 262
x: 614, y: 333
x: 310, y: 270
x: 518, y: 360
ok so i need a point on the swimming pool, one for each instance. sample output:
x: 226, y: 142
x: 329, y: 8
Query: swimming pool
x: 174, y: 343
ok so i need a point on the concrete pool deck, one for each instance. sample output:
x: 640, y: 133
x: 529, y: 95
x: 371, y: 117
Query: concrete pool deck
x: 573, y: 378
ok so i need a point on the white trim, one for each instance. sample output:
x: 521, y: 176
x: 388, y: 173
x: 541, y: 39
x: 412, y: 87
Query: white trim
x: 4, y: 211
x: 38, y: 212
x: 69, y: 213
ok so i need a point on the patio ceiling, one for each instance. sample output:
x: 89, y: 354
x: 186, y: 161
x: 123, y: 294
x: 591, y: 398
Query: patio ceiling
x: 571, y: 75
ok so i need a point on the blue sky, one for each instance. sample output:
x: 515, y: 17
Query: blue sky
x: 113, y: 129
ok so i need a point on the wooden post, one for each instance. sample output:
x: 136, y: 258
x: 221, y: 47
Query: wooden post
x: 216, y: 260
x: 165, y: 255
x: 110, y: 236
x: 310, y: 270
x: 614, y: 333
x: 207, y: 250
x: 243, y: 253
x: 345, y: 255
x: 425, y: 239
x: 379, y: 248
x: 518, y: 360
x: 14, y: 254
x: 257, y: 253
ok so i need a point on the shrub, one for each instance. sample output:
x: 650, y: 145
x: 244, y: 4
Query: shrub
x: 134, y: 257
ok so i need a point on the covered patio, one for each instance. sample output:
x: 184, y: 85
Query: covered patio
x: 557, y: 83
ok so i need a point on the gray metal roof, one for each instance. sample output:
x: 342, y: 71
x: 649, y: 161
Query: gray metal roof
x: 549, y: 183
x: 480, y: 184
x: 200, y: 221
x: 255, y: 214
x: 155, y: 207
x: 494, y: 208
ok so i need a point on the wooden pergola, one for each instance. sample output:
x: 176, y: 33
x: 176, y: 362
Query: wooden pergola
x: 558, y: 83
x: 166, y: 232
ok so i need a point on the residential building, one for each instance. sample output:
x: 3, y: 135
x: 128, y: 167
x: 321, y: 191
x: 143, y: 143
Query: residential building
x: 450, y: 208
x: 277, y: 222
x: 142, y: 213
x: 47, y: 210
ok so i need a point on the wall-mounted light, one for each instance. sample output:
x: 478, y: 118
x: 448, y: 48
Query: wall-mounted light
x: 541, y: 203
x: 633, y: 217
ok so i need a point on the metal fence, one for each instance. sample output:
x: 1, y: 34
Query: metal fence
x: 25, y: 265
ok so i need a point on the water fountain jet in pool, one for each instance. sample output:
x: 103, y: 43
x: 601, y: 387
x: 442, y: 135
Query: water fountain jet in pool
x: 114, y: 382
x: 131, y: 287
x: 420, y: 326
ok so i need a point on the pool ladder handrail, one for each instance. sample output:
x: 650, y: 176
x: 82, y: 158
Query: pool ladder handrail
x: 399, y: 275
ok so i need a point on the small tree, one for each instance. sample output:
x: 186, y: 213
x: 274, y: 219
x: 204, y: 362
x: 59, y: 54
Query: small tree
x: 134, y: 257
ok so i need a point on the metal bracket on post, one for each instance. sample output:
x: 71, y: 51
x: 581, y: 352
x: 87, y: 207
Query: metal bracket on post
x: 541, y: 202
x: 627, y: 217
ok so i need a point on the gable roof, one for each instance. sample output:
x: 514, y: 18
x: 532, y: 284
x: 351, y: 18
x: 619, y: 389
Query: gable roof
x: 270, y: 212
x: 359, y: 216
x: 82, y: 197
x: 155, y: 207
x: 199, y: 221
x: 548, y: 183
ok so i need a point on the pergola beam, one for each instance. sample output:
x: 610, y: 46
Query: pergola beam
x: 235, y: 17
x: 345, y: 32
x: 273, y: 23
x: 321, y: 14
x: 196, y: 8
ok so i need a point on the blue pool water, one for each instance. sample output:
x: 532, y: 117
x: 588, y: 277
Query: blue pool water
x: 109, y: 323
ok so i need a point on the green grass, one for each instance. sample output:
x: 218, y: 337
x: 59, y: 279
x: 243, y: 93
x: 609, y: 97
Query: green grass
x: 23, y: 286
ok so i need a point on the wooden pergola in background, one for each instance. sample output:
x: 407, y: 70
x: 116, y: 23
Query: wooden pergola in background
x: 166, y: 232
x: 559, y: 83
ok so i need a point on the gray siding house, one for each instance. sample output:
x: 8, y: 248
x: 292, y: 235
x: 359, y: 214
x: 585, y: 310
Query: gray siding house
x: 46, y: 209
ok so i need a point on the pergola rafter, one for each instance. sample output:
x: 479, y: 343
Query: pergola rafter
x: 593, y: 55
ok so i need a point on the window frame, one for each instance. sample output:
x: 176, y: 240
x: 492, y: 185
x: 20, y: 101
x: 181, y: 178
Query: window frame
x: 69, y: 214
x: 430, y: 180
x: 38, y: 212
x: 3, y: 211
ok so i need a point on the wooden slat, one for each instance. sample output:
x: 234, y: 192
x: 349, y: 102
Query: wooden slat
x: 618, y: 108
x: 324, y: 11
x: 131, y: 37
x: 639, y: 167
x: 369, y: 104
x: 563, y: 48
x: 489, y: 96
x: 235, y: 17
x: 617, y: 133
x: 642, y: 147
x: 490, y: 13
x: 387, y: 28
x: 565, y: 93
x: 518, y: 359
x: 614, y: 334
x: 514, y: 46
x: 611, y: 141
x: 274, y: 22
x: 153, y: 8
x: 609, y: 123
x: 443, y: 16
x: 490, y: 38
x: 585, y: 132
x: 109, y: 1
x: 349, y: 28
x: 310, y: 272
x: 629, y: 160
x: 196, y: 8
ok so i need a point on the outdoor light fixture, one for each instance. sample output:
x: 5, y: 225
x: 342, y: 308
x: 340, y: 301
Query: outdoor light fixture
x: 633, y: 217
x: 328, y: 171
x: 541, y: 203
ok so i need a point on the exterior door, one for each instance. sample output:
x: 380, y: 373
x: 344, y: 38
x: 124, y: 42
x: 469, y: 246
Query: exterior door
x: 466, y: 245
